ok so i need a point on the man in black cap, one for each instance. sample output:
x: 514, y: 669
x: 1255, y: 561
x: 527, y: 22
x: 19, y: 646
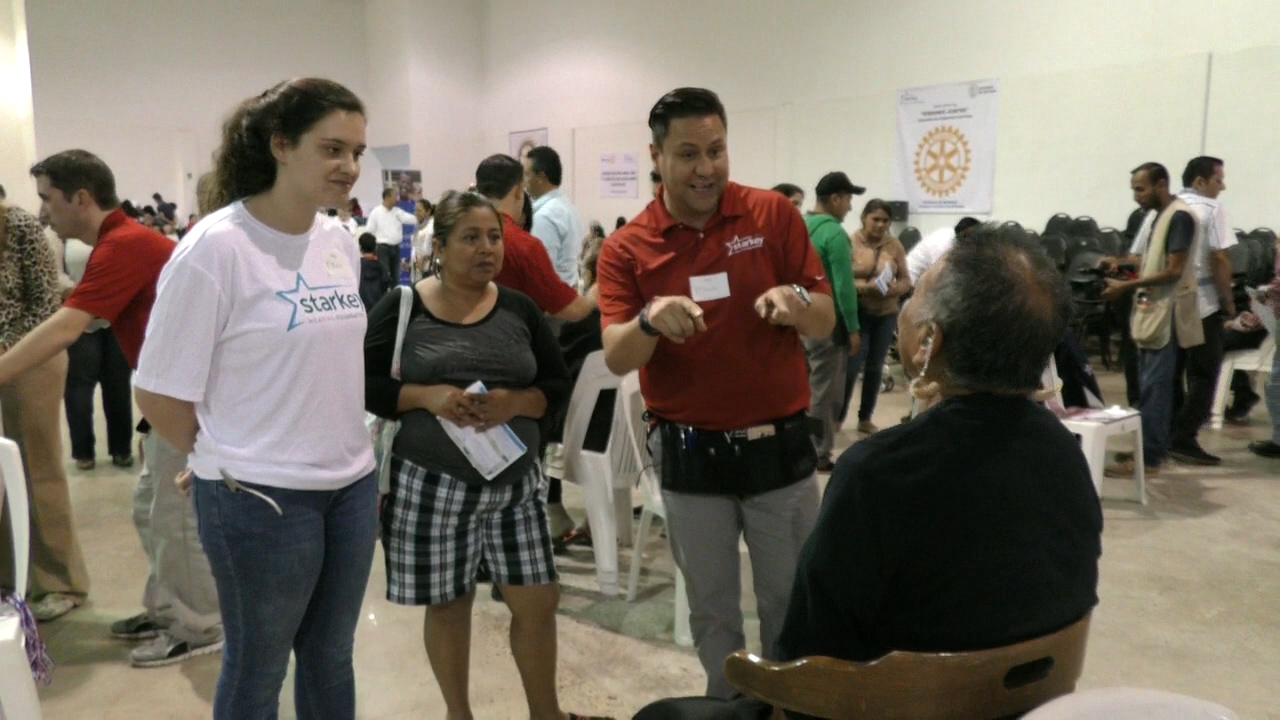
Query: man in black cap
x: 827, y: 356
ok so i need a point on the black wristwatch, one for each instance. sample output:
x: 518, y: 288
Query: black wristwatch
x: 804, y: 295
x: 645, y: 327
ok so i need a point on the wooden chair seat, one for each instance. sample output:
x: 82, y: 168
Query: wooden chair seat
x: 979, y: 685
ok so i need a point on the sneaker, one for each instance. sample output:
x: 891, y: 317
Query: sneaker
x: 1192, y: 454
x: 1265, y: 448
x: 866, y: 427
x: 88, y: 464
x: 1126, y: 468
x: 122, y: 461
x: 54, y: 605
x: 138, y: 627
x: 1238, y: 413
x: 825, y: 465
x: 166, y: 650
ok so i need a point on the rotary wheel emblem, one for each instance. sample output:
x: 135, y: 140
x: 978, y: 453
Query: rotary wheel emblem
x: 942, y: 161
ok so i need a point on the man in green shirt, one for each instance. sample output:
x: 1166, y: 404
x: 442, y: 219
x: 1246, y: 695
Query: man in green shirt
x: 827, y: 356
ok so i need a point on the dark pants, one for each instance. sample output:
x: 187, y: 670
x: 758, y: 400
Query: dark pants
x: 389, y: 256
x: 1193, y: 402
x: 1129, y: 359
x: 1158, y: 379
x: 290, y: 582
x: 96, y: 359
x: 877, y: 336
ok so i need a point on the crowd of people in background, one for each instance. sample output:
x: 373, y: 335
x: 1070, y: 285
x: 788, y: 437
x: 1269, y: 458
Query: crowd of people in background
x: 748, y: 319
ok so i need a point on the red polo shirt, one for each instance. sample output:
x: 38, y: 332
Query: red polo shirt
x: 527, y: 267
x: 742, y: 371
x: 119, y: 283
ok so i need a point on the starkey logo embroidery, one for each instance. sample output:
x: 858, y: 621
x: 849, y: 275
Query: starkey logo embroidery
x: 321, y: 303
x: 742, y: 244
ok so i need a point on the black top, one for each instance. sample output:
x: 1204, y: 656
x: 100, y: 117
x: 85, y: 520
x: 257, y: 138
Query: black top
x: 974, y: 526
x: 1182, y: 230
x: 512, y: 347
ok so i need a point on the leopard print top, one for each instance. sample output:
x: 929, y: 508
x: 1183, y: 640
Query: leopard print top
x: 29, y: 290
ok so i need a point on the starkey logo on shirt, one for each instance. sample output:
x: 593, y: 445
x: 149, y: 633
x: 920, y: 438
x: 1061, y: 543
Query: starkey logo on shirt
x: 742, y: 244
x: 320, y: 303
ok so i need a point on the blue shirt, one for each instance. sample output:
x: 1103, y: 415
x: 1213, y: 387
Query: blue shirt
x: 557, y: 225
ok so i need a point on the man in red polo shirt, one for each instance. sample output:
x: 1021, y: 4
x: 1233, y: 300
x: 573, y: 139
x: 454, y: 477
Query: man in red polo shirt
x: 527, y: 267
x: 78, y: 195
x: 708, y: 292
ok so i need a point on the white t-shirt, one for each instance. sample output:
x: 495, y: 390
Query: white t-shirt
x: 931, y: 248
x: 264, y: 332
x: 387, y: 224
x: 1215, y: 235
x: 422, y: 245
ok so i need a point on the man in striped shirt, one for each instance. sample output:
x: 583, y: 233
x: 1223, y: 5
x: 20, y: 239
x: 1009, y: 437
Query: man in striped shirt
x: 1202, y: 181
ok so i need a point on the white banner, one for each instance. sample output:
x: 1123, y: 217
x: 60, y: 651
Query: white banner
x: 947, y: 147
x: 619, y: 175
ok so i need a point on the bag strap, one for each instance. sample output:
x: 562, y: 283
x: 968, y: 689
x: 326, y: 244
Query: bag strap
x: 406, y: 306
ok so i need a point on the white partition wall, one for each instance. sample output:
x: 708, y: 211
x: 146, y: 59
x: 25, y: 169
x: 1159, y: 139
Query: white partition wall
x: 1244, y: 130
x: 17, y: 122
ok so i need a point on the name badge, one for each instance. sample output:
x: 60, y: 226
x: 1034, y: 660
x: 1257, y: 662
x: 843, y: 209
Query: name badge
x: 709, y: 287
x: 336, y: 264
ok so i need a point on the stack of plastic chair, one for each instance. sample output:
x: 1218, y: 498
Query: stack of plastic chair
x: 18, y: 698
x: 593, y: 470
x: 909, y: 237
x: 637, y: 436
x: 1057, y: 224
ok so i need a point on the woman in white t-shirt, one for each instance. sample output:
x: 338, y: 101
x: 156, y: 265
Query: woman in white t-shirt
x: 252, y: 364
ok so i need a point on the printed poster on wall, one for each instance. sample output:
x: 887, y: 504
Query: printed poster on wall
x: 522, y: 141
x: 947, y: 147
x: 619, y: 175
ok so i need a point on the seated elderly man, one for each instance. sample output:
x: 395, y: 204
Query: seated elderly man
x: 974, y: 526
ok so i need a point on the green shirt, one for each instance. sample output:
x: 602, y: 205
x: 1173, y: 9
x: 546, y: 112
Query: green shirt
x: 835, y: 248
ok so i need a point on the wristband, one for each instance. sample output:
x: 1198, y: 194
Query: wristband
x: 645, y: 327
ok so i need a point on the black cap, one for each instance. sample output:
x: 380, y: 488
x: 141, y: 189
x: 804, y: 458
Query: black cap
x: 837, y: 183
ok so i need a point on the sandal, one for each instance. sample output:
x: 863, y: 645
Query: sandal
x: 576, y: 536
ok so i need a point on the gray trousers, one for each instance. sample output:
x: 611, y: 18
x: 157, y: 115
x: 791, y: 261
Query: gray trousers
x: 828, y: 365
x: 705, y: 531
x: 180, y: 595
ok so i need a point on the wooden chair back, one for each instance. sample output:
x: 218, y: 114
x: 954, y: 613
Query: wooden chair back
x: 980, y: 685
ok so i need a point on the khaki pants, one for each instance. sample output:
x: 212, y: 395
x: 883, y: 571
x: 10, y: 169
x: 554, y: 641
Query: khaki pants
x: 180, y: 595
x: 31, y: 407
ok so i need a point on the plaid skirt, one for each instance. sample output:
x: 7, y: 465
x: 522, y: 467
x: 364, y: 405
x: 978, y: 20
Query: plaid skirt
x: 435, y: 530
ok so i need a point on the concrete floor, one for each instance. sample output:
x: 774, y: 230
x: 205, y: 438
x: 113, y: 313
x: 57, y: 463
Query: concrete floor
x: 1190, y: 603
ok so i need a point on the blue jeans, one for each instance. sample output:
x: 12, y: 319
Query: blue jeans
x: 877, y: 335
x: 1273, y: 399
x: 1156, y: 375
x: 292, y: 582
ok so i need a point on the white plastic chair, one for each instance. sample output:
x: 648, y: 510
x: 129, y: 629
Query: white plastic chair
x: 1093, y: 441
x: 18, y: 697
x: 636, y: 433
x: 1129, y: 704
x: 602, y: 488
x: 1251, y: 361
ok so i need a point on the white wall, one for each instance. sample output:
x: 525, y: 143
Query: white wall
x: 425, y: 68
x: 146, y: 85
x: 17, y: 125
x: 827, y: 73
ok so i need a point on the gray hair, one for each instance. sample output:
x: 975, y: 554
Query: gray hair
x: 1002, y: 307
